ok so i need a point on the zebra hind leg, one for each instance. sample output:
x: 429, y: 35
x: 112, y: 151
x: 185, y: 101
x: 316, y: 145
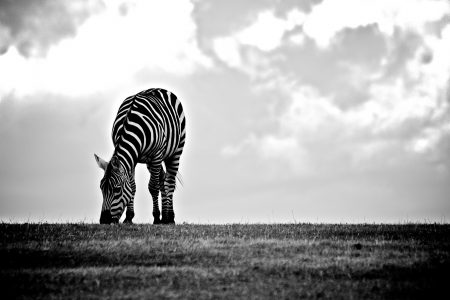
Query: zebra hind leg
x: 154, y: 187
x: 168, y: 215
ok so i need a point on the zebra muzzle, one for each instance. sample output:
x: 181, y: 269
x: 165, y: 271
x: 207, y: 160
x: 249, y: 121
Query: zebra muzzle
x: 105, y: 217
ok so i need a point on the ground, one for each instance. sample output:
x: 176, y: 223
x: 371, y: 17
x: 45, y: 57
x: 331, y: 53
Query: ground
x: 247, y: 261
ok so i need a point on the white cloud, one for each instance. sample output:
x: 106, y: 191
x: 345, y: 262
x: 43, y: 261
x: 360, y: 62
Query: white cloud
x: 312, y: 122
x: 284, y: 148
x: 297, y: 39
x: 435, y: 72
x: 367, y: 131
x: 109, y: 49
x: 428, y: 139
x: 391, y: 103
x: 308, y: 111
x: 329, y: 17
x: 268, y: 30
x: 227, y: 49
x: 265, y: 34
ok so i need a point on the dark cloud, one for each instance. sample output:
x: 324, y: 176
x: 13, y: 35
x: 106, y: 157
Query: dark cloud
x: 332, y: 71
x: 34, y: 25
x: 404, y: 46
x: 361, y: 45
x: 437, y: 26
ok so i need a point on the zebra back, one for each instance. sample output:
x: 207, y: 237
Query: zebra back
x: 149, y: 123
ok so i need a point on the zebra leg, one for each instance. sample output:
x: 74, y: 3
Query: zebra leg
x: 130, y: 212
x: 155, y: 169
x: 162, y: 176
x: 130, y: 205
x: 168, y: 215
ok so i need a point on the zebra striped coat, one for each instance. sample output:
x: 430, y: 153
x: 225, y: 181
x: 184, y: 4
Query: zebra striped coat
x: 150, y: 128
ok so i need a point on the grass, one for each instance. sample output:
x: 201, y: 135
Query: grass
x: 189, y: 261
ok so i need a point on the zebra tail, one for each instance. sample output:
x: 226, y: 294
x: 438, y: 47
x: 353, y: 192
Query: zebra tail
x: 179, y: 178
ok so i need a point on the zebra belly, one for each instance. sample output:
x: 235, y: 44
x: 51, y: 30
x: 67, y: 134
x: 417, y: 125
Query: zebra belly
x: 148, y: 157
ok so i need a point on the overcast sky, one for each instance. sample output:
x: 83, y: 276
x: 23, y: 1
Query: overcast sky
x: 319, y: 111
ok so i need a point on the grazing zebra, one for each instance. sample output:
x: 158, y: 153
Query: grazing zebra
x: 150, y: 128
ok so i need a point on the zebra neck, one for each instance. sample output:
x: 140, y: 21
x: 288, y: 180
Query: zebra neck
x: 126, y: 161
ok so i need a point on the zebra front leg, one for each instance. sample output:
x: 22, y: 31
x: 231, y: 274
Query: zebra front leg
x: 154, y: 187
x: 130, y: 213
x: 168, y: 215
x: 130, y: 205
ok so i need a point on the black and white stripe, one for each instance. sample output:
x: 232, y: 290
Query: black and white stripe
x: 150, y: 128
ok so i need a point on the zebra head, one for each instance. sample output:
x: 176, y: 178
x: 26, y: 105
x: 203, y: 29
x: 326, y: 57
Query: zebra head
x: 117, y: 188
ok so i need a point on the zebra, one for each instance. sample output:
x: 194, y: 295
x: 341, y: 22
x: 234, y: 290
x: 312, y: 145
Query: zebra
x: 150, y: 128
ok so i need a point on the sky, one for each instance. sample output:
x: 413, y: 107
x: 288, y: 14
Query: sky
x: 297, y: 111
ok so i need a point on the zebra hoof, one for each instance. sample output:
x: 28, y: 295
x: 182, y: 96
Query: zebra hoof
x: 127, y: 221
x: 156, y: 221
x: 168, y: 222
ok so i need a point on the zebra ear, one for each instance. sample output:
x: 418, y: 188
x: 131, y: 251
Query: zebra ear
x: 100, y: 162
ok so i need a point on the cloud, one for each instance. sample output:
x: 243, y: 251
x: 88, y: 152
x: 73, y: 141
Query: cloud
x: 397, y: 116
x: 329, y: 17
x: 265, y: 34
x: 267, y: 31
x: 227, y: 49
x: 395, y: 26
x: 362, y: 117
x: 108, y: 51
x: 381, y: 89
x: 34, y: 26
x: 399, y: 120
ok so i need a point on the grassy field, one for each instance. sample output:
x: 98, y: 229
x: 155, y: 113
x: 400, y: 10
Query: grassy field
x: 224, y: 261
